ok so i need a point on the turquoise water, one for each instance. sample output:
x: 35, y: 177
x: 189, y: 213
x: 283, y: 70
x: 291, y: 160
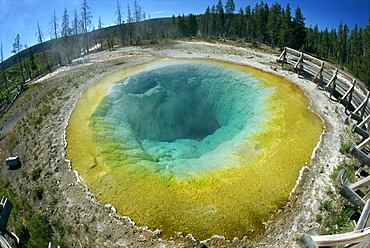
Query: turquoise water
x: 183, y: 116
x: 202, y: 147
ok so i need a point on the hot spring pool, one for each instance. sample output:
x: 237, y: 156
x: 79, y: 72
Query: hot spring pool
x: 200, y: 147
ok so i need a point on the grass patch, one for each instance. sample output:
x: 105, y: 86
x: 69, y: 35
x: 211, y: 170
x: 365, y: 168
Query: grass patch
x: 350, y: 172
x: 37, y: 193
x: 31, y: 227
x: 12, y: 141
x: 120, y: 63
x: 35, y: 174
x: 339, y: 221
x: 345, y: 148
x: 327, y: 206
x: 319, y: 218
x: 340, y: 212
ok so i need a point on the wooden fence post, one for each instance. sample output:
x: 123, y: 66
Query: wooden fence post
x: 346, y: 99
x: 330, y: 88
x: 298, y: 67
x: 282, y: 58
x: 361, y: 108
x: 318, y: 77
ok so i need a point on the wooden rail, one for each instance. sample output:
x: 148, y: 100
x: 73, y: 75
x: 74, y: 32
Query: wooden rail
x: 346, y: 89
x: 4, y: 243
x: 354, y: 96
x: 361, y: 234
x: 341, y: 239
x: 5, y: 209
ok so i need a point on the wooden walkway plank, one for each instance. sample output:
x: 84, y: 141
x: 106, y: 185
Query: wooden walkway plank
x: 362, y: 107
x: 361, y: 128
x: 361, y: 183
x: 360, y: 131
x: 367, y: 196
x: 5, y: 209
x: 319, y: 77
x: 364, y: 121
x: 360, y: 155
x: 341, y: 178
x: 354, y: 96
x: 364, y: 244
x: 298, y: 66
x: 333, y: 78
x: 364, y: 220
x: 307, y: 242
x: 342, y: 239
x: 352, y: 197
x: 346, y: 99
x: 4, y: 243
x: 282, y: 58
x: 350, y: 90
x: 339, y: 82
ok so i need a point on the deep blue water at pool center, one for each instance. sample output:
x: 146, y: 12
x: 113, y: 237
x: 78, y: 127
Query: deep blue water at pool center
x: 181, y: 110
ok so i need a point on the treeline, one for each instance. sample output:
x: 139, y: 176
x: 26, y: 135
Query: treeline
x: 278, y: 27
x: 74, y: 35
x: 71, y: 36
x: 348, y: 48
x: 262, y: 24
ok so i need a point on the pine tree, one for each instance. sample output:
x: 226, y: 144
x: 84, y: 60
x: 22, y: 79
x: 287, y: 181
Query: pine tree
x: 286, y: 29
x: 205, y: 22
x: 238, y: 26
x: 229, y: 7
x: 40, y: 39
x: 54, y: 27
x: 355, y: 50
x: 261, y: 12
x: 220, y: 21
x: 100, y: 30
x: 85, y: 24
x: 120, y: 24
x: 130, y: 25
x: 17, y: 47
x: 273, y: 24
x: 138, y: 17
x: 299, y: 30
x: 32, y: 59
x: 229, y: 13
x: 65, y: 33
x: 5, y: 94
x: 248, y: 21
x: 191, y: 25
x: 365, y: 59
x: 181, y: 26
x: 65, y: 30
x: 75, y: 26
x: 213, y: 21
x: 54, y: 35
x: 342, y: 43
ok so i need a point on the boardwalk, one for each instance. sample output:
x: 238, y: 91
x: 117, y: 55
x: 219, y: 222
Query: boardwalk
x: 354, y: 96
x: 349, y: 91
x: 342, y: 86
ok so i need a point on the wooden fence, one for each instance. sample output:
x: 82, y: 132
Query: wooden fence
x: 354, y: 96
x: 346, y: 89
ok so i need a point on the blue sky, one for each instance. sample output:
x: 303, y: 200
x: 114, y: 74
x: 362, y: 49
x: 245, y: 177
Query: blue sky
x: 20, y: 16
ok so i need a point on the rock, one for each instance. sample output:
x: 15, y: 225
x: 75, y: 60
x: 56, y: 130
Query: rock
x: 141, y: 238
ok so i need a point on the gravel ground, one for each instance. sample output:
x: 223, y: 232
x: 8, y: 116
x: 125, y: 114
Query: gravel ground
x: 39, y: 117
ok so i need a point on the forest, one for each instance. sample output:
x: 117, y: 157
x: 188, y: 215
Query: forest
x: 73, y: 35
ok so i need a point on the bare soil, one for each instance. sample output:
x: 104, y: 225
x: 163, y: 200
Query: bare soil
x: 37, y: 122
